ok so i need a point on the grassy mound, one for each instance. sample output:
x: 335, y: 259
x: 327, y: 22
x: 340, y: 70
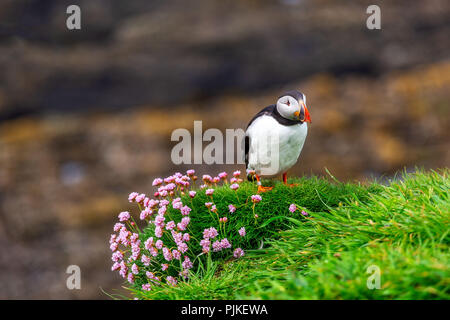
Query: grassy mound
x: 401, y: 230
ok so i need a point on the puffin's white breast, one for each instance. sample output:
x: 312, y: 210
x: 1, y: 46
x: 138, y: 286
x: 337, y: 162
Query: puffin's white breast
x: 274, y: 148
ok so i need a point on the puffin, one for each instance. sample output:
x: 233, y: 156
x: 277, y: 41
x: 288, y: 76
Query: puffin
x: 275, y: 136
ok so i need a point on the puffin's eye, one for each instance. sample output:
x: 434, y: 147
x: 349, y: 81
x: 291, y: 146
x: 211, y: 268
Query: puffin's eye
x: 288, y: 103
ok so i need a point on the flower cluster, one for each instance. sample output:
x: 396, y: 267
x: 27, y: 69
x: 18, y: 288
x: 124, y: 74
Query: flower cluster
x: 166, y: 251
x: 293, y: 208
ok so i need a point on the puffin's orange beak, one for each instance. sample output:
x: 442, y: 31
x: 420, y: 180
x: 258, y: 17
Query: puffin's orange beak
x: 307, y: 116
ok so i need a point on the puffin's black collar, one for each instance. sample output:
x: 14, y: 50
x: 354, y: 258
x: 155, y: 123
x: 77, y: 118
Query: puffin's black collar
x: 273, y: 112
x: 282, y: 120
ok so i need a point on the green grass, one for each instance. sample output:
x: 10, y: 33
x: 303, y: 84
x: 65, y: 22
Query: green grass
x: 402, y: 228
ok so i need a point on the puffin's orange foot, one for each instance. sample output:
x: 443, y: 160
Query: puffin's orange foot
x: 291, y: 184
x: 264, y: 189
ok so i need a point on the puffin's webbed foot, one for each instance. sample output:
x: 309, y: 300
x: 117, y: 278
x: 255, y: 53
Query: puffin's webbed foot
x: 285, y: 181
x: 264, y: 189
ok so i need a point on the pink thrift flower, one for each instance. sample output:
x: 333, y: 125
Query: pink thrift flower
x: 242, y: 232
x: 153, y: 251
x: 163, y: 193
x: 192, y: 194
x: 124, y: 216
x: 146, y: 287
x: 162, y: 211
x: 190, y: 172
x: 145, y: 213
x: 134, y: 237
x: 213, y: 208
x: 256, y: 198
x: 205, y: 243
x: 158, y: 232
x: 132, y: 196
x: 113, y: 238
x: 183, y: 247
x: 186, y: 237
x: 217, y: 246
x: 185, y: 210
x: 237, y: 173
x: 169, y: 179
x: 152, y: 203
x: 225, y: 244
x: 216, y: 179
x: 234, y: 186
x: 171, y: 187
x: 148, y: 243
x: 177, y: 205
x: 117, y: 256
x: 113, y: 246
x: 159, y: 244
x: 140, y: 198
x: 222, y: 175
x: 157, y: 182
x: 170, y: 225
x: 165, y: 203
x: 167, y: 254
x: 210, y: 233
x: 208, y: 204
x: 185, y: 220
x: 176, y: 254
x: 171, y: 280
x: 238, y: 252
x: 115, y: 266
x: 292, y: 208
x: 130, y: 278
x: 145, y: 260
x: 164, y: 266
x: 118, y: 226
x: 177, y: 236
x: 184, y: 273
x: 231, y: 208
x: 207, y: 178
x: 304, y: 213
x: 209, y: 192
x: 134, y: 269
x: 187, y: 264
x: 123, y: 269
x: 159, y: 220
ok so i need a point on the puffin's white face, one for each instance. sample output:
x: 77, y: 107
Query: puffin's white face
x: 289, y: 107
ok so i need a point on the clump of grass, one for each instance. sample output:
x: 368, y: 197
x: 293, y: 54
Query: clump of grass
x: 401, y: 229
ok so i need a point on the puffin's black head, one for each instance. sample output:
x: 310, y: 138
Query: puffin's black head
x: 292, y: 106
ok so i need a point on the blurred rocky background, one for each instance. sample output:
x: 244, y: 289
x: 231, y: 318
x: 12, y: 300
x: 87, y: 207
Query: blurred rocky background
x: 86, y: 116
